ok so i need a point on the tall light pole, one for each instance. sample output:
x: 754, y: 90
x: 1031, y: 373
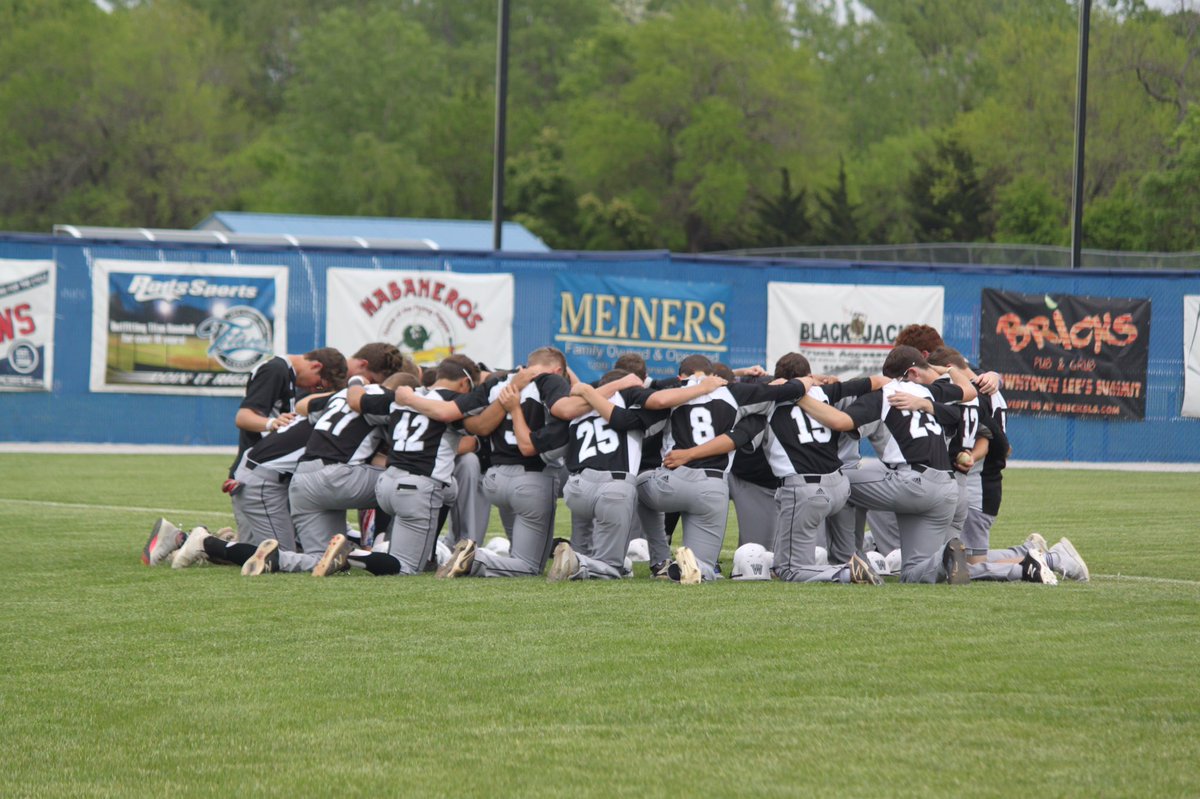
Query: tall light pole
x: 1085, y: 21
x: 501, y: 121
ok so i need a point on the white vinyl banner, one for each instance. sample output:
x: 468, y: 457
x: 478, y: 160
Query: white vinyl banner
x: 845, y: 330
x: 1191, y: 355
x: 428, y: 315
x: 26, y: 325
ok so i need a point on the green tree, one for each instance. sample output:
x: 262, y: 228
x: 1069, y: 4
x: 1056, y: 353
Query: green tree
x: 1170, y: 196
x: 539, y: 194
x: 615, y: 225
x: 1027, y: 212
x: 783, y: 218
x: 838, y: 223
x: 948, y: 199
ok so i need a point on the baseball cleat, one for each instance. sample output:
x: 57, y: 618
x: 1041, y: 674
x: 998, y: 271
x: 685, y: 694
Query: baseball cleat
x: 1070, y: 564
x: 661, y: 570
x: 461, y: 558
x: 192, y: 551
x: 689, y: 569
x: 336, y: 558
x: 226, y: 534
x: 164, y: 539
x: 862, y: 572
x: 954, y: 561
x: 1035, y: 570
x: 564, y: 564
x: 264, y: 560
x: 1036, y: 541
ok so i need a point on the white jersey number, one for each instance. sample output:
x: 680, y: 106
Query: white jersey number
x: 406, y: 437
x: 595, y: 437
x: 921, y: 424
x: 808, y: 430
x: 970, y: 425
x: 702, y: 425
x: 338, y: 405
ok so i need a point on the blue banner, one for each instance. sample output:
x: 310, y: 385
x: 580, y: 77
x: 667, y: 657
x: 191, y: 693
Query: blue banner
x: 601, y: 318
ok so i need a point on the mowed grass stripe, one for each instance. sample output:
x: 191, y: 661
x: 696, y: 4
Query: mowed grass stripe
x: 124, y: 680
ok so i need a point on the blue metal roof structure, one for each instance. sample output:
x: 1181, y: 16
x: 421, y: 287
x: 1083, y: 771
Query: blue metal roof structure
x: 442, y: 234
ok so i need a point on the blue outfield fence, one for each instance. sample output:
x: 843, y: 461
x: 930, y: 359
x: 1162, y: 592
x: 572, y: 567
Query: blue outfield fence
x: 72, y: 413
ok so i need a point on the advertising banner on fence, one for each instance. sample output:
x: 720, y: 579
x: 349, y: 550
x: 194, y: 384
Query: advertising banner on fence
x: 1063, y: 354
x: 600, y: 318
x: 428, y: 315
x: 1191, y: 355
x: 845, y: 330
x: 26, y: 325
x: 172, y: 328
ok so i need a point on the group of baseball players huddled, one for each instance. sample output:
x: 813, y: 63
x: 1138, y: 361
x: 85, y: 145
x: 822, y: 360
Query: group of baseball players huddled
x: 424, y: 454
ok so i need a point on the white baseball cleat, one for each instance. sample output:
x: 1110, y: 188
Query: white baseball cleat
x: 565, y: 564
x: 461, y: 558
x: 264, y: 560
x: 165, y: 538
x: 336, y: 557
x: 192, y: 551
x: 1070, y: 564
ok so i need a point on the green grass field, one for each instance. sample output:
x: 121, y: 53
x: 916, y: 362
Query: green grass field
x: 123, y: 680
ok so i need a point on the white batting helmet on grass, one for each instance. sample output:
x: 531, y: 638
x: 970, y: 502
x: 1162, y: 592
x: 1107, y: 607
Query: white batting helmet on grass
x: 752, y: 562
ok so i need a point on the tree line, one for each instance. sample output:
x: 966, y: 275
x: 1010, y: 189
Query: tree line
x: 680, y: 124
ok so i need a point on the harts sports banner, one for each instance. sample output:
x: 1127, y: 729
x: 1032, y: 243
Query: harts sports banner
x: 1191, y: 355
x: 601, y: 318
x: 1062, y: 354
x: 26, y: 325
x: 171, y: 328
x: 428, y: 315
x: 845, y: 330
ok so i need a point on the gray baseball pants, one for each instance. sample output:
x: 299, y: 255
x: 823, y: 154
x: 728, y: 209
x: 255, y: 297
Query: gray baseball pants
x: 260, y: 507
x: 321, y: 494
x: 470, y: 511
x: 413, y: 502
x: 884, y: 528
x: 703, y: 502
x: 805, y: 503
x: 605, y: 505
x: 924, y: 504
x: 754, y: 506
x: 650, y: 525
x: 530, y: 497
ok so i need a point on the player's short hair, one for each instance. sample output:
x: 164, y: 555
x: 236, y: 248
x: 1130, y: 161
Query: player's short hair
x: 632, y: 362
x: 923, y: 337
x: 397, y: 379
x: 695, y: 363
x: 333, y: 366
x: 382, y: 358
x: 792, y: 365
x: 901, y: 359
x: 725, y: 371
x: 428, y: 377
x: 947, y: 356
x: 407, y: 364
x: 613, y: 375
x: 456, y: 368
x: 548, y: 356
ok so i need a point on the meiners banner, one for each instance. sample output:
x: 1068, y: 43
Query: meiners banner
x: 180, y: 328
x: 601, y: 318
x: 1191, y: 355
x: 1063, y: 354
x: 26, y: 325
x: 427, y: 314
x: 845, y: 330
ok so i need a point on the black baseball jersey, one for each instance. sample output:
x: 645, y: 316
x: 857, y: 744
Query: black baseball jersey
x: 749, y: 458
x: 548, y: 433
x: 613, y: 445
x: 917, y: 437
x: 341, y: 435
x: 282, y: 449
x: 420, y: 445
x: 703, y: 418
x: 270, y: 391
x: 799, y: 444
x: 652, y: 441
x: 993, y: 413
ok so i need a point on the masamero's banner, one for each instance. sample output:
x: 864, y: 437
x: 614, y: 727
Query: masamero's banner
x: 602, y: 318
x: 1070, y: 355
x: 26, y: 325
x: 181, y: 328
x: 427, y: 314
x: 843, y: 329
